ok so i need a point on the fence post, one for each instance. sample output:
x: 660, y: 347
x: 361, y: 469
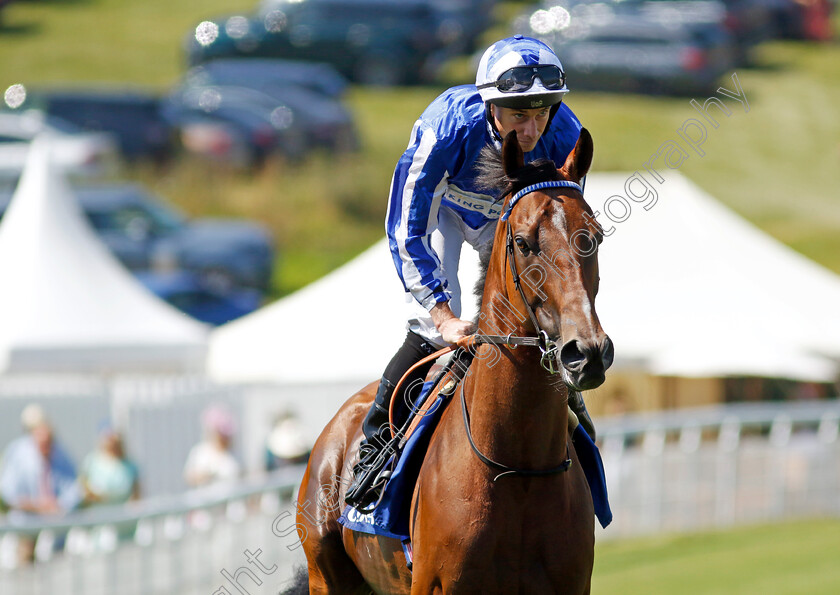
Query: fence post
x: 726, y: 479
x: 613, y: 456
x: 144, y: 536
x: 779, y: 439
x: 653, y: 446
x: 691, y: 437
x: 827, y: 435
x: 173, y: 532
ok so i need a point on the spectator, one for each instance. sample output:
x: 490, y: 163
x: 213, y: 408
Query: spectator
x: 107, y: 475
x: 211, y: 461
x: 37, y: 476
x: 285, y: 444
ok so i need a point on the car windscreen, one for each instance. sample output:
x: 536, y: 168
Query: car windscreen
x: 137, y: 221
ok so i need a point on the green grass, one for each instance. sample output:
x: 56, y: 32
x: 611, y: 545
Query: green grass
x: 786, y: 559
x: 101, y: 40
x: 778, y: 164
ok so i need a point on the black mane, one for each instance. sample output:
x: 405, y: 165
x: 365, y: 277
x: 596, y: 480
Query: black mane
x: 492, y: 176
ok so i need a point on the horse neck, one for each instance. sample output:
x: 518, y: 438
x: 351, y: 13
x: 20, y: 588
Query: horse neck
x: 518, y: 410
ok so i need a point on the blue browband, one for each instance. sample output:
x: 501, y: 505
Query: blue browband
x: 539, y: 186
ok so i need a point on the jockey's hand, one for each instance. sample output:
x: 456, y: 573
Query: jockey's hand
x: 450, y: 327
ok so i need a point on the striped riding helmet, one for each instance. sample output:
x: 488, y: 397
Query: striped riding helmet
x: 520, y: 72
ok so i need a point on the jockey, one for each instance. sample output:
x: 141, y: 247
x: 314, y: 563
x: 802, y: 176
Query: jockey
x: 436, y: 205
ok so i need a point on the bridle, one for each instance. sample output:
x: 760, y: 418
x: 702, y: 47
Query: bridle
x: 548, y: 349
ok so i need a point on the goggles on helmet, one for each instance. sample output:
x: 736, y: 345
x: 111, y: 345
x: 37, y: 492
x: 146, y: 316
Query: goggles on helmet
x: 521, y: 78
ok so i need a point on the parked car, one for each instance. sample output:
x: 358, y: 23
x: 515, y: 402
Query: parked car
x: 238, y: 145
x: 628, y: 51
x: 3, y: 3
x: 325, y: 121
x: 146, y: 233
x: 635, y: 54
x: 749, y: 22
x: 464, y: 21
x: 187, y: 291
x: 77, y: 152
x: 261, y: 73
x: 378, y: 42
x: 744, y: 23
x: 798, y: 19
x: 224, y: 141
x: 133, y: 117
x: 266, y: 125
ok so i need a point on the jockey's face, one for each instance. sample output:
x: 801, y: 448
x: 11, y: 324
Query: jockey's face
x: 528, y: 123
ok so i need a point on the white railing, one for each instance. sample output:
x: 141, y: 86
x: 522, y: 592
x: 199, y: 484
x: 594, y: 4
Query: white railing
x: 198, y: 542
x: 696, y: 469
x: 669, y: 471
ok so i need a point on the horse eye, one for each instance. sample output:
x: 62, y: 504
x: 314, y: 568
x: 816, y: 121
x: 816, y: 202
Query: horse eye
x: 523, y: 246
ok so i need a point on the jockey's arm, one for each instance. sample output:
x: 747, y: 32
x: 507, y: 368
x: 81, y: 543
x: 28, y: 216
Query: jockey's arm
x: 450, y: 326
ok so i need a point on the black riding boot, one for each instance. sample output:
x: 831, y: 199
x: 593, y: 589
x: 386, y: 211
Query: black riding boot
x: 376, y: 424
x: 375, y: 427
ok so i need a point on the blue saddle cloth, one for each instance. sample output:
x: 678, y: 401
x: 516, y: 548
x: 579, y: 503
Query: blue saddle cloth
x: 391, y: 517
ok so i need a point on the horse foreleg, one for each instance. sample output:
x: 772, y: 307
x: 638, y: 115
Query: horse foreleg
x: 331, y: 571
x: 420, y: 588
x: 321, y: 498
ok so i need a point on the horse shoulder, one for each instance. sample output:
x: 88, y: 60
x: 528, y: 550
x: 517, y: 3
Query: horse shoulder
x: 321, y: 498
x: 325, y: 480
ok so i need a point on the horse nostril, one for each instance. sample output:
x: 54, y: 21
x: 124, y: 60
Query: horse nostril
x: 580, y: 358
x: 607, y: 352
x: 572, y: 357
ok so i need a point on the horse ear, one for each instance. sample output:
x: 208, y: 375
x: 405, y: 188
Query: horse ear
x: 579, y: 160
x: 512, y: 156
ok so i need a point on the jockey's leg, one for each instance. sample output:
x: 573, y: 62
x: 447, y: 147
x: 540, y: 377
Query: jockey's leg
x: 421, y: 340
x: 376, y: 424
x: 413, y: 349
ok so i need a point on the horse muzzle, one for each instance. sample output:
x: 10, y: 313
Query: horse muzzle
x: 585, y: 364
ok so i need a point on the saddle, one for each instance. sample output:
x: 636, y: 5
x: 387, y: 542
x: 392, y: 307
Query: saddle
x: 431, y: 402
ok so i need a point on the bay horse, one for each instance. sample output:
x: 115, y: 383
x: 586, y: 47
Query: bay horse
x: 473, y: 529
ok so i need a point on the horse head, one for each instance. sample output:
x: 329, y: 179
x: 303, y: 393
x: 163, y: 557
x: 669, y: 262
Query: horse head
x: 550, y: 240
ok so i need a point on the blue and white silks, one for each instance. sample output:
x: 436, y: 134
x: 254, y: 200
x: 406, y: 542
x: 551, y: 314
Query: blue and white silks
x: 438, y: 167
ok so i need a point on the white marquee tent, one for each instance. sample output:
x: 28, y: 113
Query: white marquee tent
x: 687, y: 289
x: 67, y: 304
